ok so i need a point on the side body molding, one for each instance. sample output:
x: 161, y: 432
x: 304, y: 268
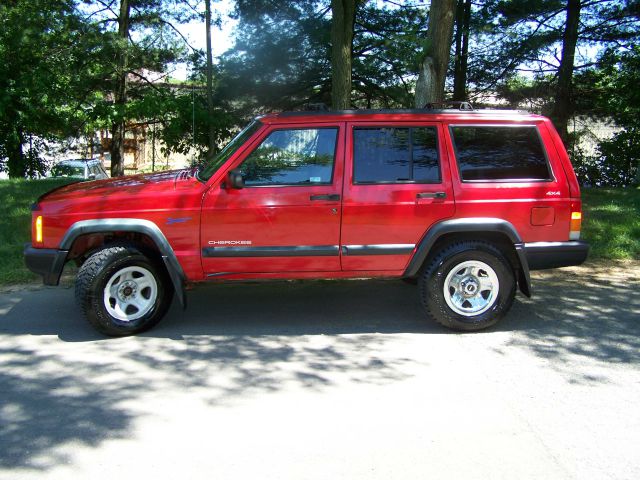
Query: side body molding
x: 136, y: 225
x: 471, y: 225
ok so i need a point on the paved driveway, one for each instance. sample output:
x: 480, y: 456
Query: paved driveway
x: 327, y: 380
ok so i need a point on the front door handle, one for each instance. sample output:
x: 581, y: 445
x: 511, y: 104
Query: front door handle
x: 432, y: 195
x: 331, y: 197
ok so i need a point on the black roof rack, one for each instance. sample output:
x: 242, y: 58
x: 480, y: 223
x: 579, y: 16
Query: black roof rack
x: 452, y: 104
x: 399, y: 111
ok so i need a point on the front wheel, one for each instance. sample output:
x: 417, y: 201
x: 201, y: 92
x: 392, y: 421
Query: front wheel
x: 123, y: 292
x: 468, y: 286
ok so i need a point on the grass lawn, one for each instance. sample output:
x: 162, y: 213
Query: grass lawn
x: 611, y: 223
x: 16, y: 197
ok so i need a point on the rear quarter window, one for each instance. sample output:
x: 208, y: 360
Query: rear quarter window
x: 489, y: 153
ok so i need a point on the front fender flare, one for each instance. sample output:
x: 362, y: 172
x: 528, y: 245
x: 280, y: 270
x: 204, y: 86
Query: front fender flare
x: 145, y: 227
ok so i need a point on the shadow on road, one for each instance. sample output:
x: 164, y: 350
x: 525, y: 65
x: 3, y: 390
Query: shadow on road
x: 234, y: 342
x: 280, y: 308
x: 240, y: 341
x: 590, y: 312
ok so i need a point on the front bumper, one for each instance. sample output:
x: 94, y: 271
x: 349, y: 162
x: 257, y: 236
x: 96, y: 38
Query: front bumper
x: 46, y: 262
x: 543, y: 255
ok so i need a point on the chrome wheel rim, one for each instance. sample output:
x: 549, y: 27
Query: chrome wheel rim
x: 471, y: 288
x: 130, y: 293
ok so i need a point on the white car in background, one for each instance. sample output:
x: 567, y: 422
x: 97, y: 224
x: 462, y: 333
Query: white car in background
x: 81, y: 168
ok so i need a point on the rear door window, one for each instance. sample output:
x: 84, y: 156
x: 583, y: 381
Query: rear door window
x: 395, y: 155
x: 500, y: 153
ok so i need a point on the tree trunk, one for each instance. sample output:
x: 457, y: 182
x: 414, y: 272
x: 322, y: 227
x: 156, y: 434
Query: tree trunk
x: 120, y: 93
x: 463, y: 17
x: 433, y: 71
x: 342, y: 26
x: 211, y: 129
x: 564, y: 103
x: 15, y: 156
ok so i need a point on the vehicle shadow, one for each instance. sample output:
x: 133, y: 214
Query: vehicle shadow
x: 63, y: 384
x: 230, y: 309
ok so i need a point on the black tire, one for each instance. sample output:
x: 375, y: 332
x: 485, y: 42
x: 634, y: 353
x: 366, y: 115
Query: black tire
x: 455, y: 262
x: 120, y: 265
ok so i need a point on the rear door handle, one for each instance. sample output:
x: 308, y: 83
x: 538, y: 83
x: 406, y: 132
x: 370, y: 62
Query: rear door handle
x: 431, y: 195
x: 330, y: 197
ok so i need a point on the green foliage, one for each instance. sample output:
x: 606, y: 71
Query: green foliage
x: 186, y: 122
x: 610, y: 91
x: 620, y: 157
x: 46, y: 62
x: 511, y: 38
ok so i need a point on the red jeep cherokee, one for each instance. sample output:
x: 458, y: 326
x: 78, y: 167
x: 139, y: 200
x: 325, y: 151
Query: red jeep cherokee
x: 464, y: 203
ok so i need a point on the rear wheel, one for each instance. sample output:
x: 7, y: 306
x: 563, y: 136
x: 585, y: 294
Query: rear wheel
x: 468, y: 286
x: 121, y: 291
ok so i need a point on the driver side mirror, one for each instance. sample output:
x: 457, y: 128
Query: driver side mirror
x: 235, y: 179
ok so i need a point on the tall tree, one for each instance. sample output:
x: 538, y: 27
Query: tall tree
x: 523, y: 37
x: 210, y: 111
x: 120, y: 91
x: 461, y: 57
x: 259, y: 77
x: 342, y: 26
x: 143, y: 41
x: 433, y: 68
x: 563, y: 103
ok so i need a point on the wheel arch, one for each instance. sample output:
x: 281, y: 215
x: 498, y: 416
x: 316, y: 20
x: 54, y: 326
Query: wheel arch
x: 145, y: 228
x: 494, y: 230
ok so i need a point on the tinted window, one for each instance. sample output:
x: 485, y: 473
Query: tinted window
x: 67, y: 171
x: 292, y: 157
x: 395, y: 155
x: 500, y: 153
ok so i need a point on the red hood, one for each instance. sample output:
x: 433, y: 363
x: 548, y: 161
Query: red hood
x: 132, y: 185
x: 124, y: 194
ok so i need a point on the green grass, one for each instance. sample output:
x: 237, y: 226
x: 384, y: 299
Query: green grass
x: 611, y: 223
x: 16, y: 197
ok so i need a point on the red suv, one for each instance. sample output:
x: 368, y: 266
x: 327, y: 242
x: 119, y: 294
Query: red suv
x: 466, y: 203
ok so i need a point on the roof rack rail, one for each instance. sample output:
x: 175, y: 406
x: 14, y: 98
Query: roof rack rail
x: 462, y: 106
x: 315, y: 107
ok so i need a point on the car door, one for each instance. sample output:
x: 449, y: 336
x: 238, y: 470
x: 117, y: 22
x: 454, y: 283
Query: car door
x: 397, y: 184
x: 287, y: 216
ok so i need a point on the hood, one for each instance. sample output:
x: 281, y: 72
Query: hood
x: 151, y: 183
x: 124, y: 196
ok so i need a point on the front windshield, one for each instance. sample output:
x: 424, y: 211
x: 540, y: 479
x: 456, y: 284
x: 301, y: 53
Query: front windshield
x: 214, y: 162
x: 67, y: 171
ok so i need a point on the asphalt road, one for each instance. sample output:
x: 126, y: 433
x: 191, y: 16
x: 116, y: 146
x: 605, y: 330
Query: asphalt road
x: 327, y: 380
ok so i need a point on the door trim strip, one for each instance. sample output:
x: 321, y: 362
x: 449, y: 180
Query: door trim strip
x: 300, y: 251
x: 381, y: 249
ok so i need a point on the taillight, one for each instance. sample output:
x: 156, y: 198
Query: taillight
x: 576, y: 223
x: 38, y: 229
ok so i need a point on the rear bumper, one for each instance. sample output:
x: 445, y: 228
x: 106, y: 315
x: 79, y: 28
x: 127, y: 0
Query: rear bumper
x: 46, y: 262
x: 543, y: 255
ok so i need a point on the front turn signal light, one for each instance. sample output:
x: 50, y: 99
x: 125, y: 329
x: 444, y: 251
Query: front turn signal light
x: 576, y: 223
x: 39, y: 229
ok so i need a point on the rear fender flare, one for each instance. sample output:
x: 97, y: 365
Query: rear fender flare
x: 471, y: 225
